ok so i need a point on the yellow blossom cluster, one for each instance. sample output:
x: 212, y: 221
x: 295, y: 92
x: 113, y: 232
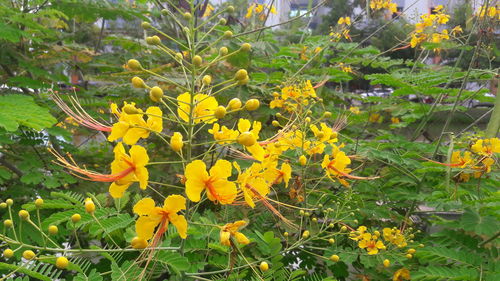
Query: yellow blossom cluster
x: 373, y: 242
x: 490, y: 12
x: 384, y: 4
x: 260, y: 11
x: 428, y: 28
x: 294, y: 96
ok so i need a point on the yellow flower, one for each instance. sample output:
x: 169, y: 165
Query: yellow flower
x: 371, y: 244
x: 358, y: 235
x: 395, y: 120
x: 401, y: 274
x: 394, y: 236
x: 218, y: 188
x: 277, y: 176
x: 354, y: 110
x: 128, y: 169
x: 344, y: 20
x: 132, y: 127
x: 250, y: 10
x: 375, y: 118
x: 460, y: 161
x: 223, y: 134
x: 208, y: 11
x: 326, y: 134
x: 252, y: 183
x: 486, y: 146
x: 457, y: 29
x: 337, y: 166
x: 151, y: 216
x: 203, y: 110
x: 176, y: 142
x: 252, y: 130
x: 231, y: 229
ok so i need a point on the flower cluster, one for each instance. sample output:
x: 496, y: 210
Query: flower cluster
x: 260, y: 10
x: 428, y: 28
x: 374, y: 242
x: 384, y: 4
x: 294, y: 96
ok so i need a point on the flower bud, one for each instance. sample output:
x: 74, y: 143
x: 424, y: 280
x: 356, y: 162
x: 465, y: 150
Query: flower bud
x: 29, y: 254
x: 187, y: 16
x: 38, y: 202
x: 220, y: 112
x: 387, y: 263
x: 139, y: 243
x: 343, y: 228
x: 222, y: 21
x: 9, y: 202
x: 331, y: 241
x: 264, y: 266
x: 8, y: 223
x: 8, y: 253
x: 276, y: 123
x: 279, y: 115
x: 301, y: 212
x: 179, y: 56
x: 327, y: 114
x: 156, y: 94
x: 252, y: 104
x: 176, y: 142
x: 228, y: 34
x: 89, y: 206
x: 23, y: 214
x: 285, y: 234
x: 240, y: 74
x: 411, y: 251
x: 246, y: 139
x: 62, y: 262
x: 223, y: 51
x: 302, y: 160
x: 308, y: 119
x: 334, y: 258
x: 153, y: 40
x: 409, y: 256
x: 164, y: 12
x: 130, y: 109
x: 207, y: 80
x: 230, y: 9
x: 3, y: 205
x: 197, y: 60
x: 134, y: 64
x: 186, y: 30
x: 138, y: 82
x: 234, y: 104
x: 245, y: 47
x: 145, y: 25
x: 314, y: 220
x: 53, y: 230
x: 305, y: 234
x: 76, y: 218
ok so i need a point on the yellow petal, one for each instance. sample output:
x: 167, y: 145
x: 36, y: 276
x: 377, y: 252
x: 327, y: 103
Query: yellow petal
x: 224, y: 238
x: 174, y: 203
x: 134, y: 134
x: 118, y: 130
x: 225, y: 192
x: 180, y: 224
x: 145, y: 226
x: 221, y: 169
x: 117, y: 190
x: 286, y: 169
x: 241, y: 238
x: 196, y: 175
x: 155, y: 122
x: 139, y: 155
x: 183, y: 107
x: 142, y: 175
x: 248, y: 198
x: 257, y: 151
x: 243, y: 125
x: 144, y: 207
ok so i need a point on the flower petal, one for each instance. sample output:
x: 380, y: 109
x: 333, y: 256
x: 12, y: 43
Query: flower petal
x: 134, y: 134
x: 118, y: 130
x: 139, y: 155
x: 180, y: 223
x: 174, y: 203
x: 145, y: 226
x: 117, y: 190
x: 142, y: 175
x: 241, y: 238
x: 144, y: 207
x: 221, y: 169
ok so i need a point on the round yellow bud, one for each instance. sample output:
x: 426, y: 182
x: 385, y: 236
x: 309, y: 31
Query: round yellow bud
x: 138, y: 82
x: 29, y: 255
x: 8, y: 223
x: 186, y: 30
x: 331, y: 240
x: 343, y: 228
x: 387, y: 263
x: 245, y: 47
x: 230, y: 9
x: 334, y: 258
x: 308, y: 119
x: 421, y: 245
x: 264, y: 266
x: 244, y: 81
x: 302, y: 160
x: 314, y: 220
x: 134, y: 64
x: 252, y: 104
x: 89, y: 206
x: 179, y: 56
x: 9, y: 202
x: 409, y: 256
x: 153, y: 40
x: 23, y: 214
x: 38, y: 202
x: 8, y: 253
x: 3, y: 205
x: 327, y: 114
x: 228, y: 34
x: 156, y: 94
x: 222, y: 21
x: 62, y: 262
x: 146, y: 25
x: 234, y: 104
x: 130, y: 109
x: 306, y: 234
x: 223, y: 51
x: 275, y: 123
x: 246, y: 139
x: 307, y: 214
x: 139, y: 243
x: 197, y: 60
x: 286, y: 234
x: 53, y: 230
x: 164, y: 12
x: 220, y: 112
x: 186, y: 16
x: 241, y: 74
x: 76, y: 218
x: 176, y: 142
x: 411, y: 251
x: 207, y: 80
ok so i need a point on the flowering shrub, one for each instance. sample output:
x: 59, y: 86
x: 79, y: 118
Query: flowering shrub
x: 221, y: 173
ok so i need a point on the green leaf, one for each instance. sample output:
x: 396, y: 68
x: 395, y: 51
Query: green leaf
x: 174, y: 261
x: 24, y: 270
x: 127, y: 271
x: 92, y: 276
x: 22, y: 110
